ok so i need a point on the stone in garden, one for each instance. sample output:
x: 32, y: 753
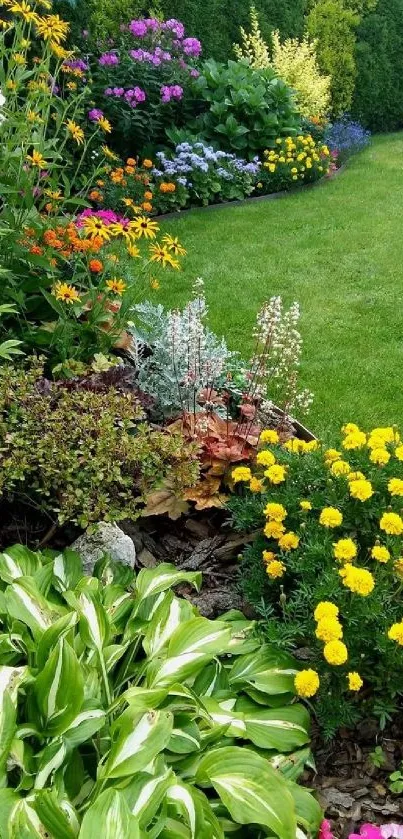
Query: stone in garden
x: 106, y: 538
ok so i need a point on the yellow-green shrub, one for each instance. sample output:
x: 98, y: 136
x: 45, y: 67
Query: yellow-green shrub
x: 296, y: 63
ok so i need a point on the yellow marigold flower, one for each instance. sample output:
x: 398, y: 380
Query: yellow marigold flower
x: 380, y: 553
x: 398, y: 567
x: 66, y: 293
x: 395, y: 633
x: 350, y: 428
x: 268, y: 435
x: 392, y: 524
x: 379, y: 437
x: 307, y: 683
x: 330, y: 517
x: 325, y: 609
x: 312, y: 446
x: 356, y: 476
x: 361, y: 489
x: 358, y: 580
x: 255, y: 485
x: 144, y: 226
x: 275, y: 569
x: 329, y: 629
x: 345, y: 550
x: 289, y: 541
x: 380, y: 456
x: 133, y: 251
x: 268, y: 556
x: 339, y: 468
x: 75, y: 131
x: 332, y: 454
x: 355, y: 440
x: 36, y: 159
x: 274, y: 511
x: 241, y: 473
x: 399, y: 452
x: 147, y: 163
x: 52, y: 28
x: 354, y: 681
x: 395, y: 486
x: 335, y: 652
x: 273, y: 530
x: 265, y: 458
x: 276, y: 474
x: 295, y: 446
x: 116, y: 286
x: 305, y: 505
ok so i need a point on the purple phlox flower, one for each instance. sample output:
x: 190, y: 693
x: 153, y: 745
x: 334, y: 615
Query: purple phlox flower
x: 95, y: 114
x: 392, y: 831
x: 36, y: 192
x: 107, y: 216
x: 139, y: 94
x: 137, y: 55
x: 175, y: 26
x: 165, y: 93
x: 367, y: 831
x: 194, y: 73
x: 182, y: 63
x: 108, y: 59
x: 192, y: 46
x: 138, y: 28
x: 76, y: 64
x: 151, y: 23
x: 177, y: 91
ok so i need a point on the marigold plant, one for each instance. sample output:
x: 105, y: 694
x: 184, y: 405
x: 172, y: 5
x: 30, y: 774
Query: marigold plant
x: 327, y: 570
x: 293, y: 161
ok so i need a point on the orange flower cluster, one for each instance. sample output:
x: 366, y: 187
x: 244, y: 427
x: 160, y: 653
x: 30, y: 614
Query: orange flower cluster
x: 167, y: 187
x: 121, y: 176
x: 65, y: 239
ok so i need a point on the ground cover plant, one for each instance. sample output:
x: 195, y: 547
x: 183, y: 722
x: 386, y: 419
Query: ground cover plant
x: 125, y: 712
x: 326, y: 572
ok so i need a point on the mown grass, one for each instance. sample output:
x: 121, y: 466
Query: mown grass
x: 338, y: 250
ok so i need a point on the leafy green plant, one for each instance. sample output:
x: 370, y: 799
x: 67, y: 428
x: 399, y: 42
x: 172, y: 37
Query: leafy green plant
x: 245, y: 109
x: 396, y: 781
x: 377, y: 757
x: 11, y: 346
x: 123, y: 712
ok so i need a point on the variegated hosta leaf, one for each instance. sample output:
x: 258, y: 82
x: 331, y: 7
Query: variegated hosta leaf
x: 59, y: 689
x: 212, y: 679
x: 169, y: 615
x: 59, y: 629
x: 308, y: 810
x: 283, y: 729
x: 146, y: 794
x: 8, y: 725
x: 60, y: 822
x: 94, y: 623
x: 292, y: 765
x: 110, y: 818
x: 185, y: 737
x: 18, y: 561
x: 111, y: 573
x: 243, y: 634
x: 24, y: 822
x: 152, y: 581
x: 223, y: 713
x: 174, y: 829
x: 11, y: 647
x: 49, y: 760
x: 137, y: 740
x: 83, y: 727
x: 118, y: 604
x: 141, y: 699
x: 8, y: 800
x: 11, y: 679
x: 268, y: 670
x: 25, y: 603
x: 191, y: 647
x: 67, y: 570
x: 183, y: 801
x: 250, y: 789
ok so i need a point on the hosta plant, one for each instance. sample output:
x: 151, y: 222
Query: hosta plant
x: 125, y: 714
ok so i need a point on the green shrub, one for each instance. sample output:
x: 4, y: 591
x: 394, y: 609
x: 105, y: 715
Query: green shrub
x: 125, y: 714
x: 333, y: 26
x: 327, y: 570
x: 82, y: 454
x: 244, y: 109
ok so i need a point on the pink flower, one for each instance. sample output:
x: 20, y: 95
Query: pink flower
x: 392, y: 830
x: 367, y: 831
x: 325, y: 831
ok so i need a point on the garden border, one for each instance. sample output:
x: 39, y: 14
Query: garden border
x: 269, y: 197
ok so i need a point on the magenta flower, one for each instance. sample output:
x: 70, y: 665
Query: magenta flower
x: 192, y: 46
x: 108, y: 59
x: 194, y: 73
x: 177, y: 91
x: 175, y: 26
x: 138, y: 28
x: 95, y: 114
x: 325, y: 831
x: 367, y: 831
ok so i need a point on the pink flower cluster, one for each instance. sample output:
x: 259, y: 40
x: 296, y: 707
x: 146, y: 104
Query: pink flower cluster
x: 173, y: 91
x: 108, y: 59
x: 367, y: 831
x: 132, y: 95
x: 107, y: 216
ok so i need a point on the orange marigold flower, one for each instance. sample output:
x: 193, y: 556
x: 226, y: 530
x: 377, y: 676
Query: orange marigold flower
x: 36, y: 250
x: 148, y: 195
x: 49, y: 237
x: 95, y: 265
x: 129, y: 170
x: 148, y: 164
x: 131, y: 161
x: 96, y: 195
x: 147, y: 207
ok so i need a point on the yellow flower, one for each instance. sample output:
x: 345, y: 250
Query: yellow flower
x: 274, y: 511
x: 161, y: 255
x: 66, y: 293
x: 330, y: 517
x: 332, y: 454
x: 36, y: 159
x: 94, y: 227
x: 355, y: 440
x: 268, y: 435
x: 307, y: 683
x: 358, y: 580
x: 335, y: 652
x: 380, y: 553
x: 379, y: 437
x: 329, y: 629
x: 52, y: 28
x: 391, y: 523
x: 109, y: 153
x: 144, y: 226
x: 311, y: 446
x: 25, y: 10
x: 289, y: 541
x: 19, y: 58
x: 59, y: 52
x: 133, y: 251
x: 276, y: 474
x: 398, y: 567
x: 154, y: 283
x: 395, y: 633
x: 173, y: 245
x: 241, y: 473
x: 354, y: 681
x: 104, y: 125
x: 356, y: 476
x: 399, y: 452
x: 116, y: 286
x: 275, y: 569
x: 268, y: 556
x: 345, y: 550
x: 361, y: 489
x: 273, y: 529
x: 339, y: 468
x: 325, y: 609
x: 147, y: 163
x: 350, y: 428
x: 255, y: 485
x: 265, y: 458
x: 380, y: 456
x: 395, y: 486
x: 75, y: 131
x: 305, y: 505
x: 32, y: 116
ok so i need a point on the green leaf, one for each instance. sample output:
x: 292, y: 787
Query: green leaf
x: 94, y: 623
x: 137, y: 740
x: 308, y: 810
x: 18, y: 561
x: 49, y: 760
x: 268, y: 670
x: 83, y: 727
x: 24, y: 823
x: 59, y: 822
x: 250, y: 789
x: 25, y: 602
x: 8, y: 725
x: 192, y: 645
x: 67, y: 570
x: 183, y: 800
x: 169, y: 615
x: 8, y: 800
x: 146, y: 794
x: 59, y: 689
x: 283, y: 729
x: 185, y: 737
x: 152, y: 581
x: 110, y: 818
x: 59, y: 629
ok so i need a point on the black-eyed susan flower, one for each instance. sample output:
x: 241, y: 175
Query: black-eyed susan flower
x: 66, y: 293
x: 75, y: 131
x: 144, y: 226
x: 116, y: 286
x: 37, y: 159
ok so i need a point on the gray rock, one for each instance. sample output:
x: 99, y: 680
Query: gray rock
x: 106, y: 538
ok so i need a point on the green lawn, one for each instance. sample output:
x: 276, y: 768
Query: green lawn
x: 338, y: 250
